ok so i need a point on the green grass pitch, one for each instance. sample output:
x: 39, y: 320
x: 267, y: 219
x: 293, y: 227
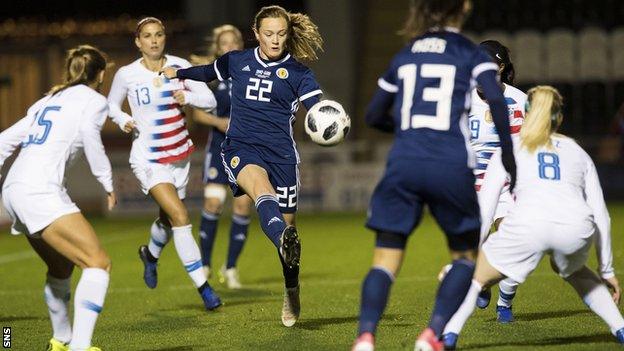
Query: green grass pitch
x: 337, y: 253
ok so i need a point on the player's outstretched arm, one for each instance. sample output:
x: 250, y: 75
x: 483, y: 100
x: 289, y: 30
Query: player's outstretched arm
x: 209, y: 119
x: 377, y: 115
x: 116, y: 96
x: 494, y: 96
x: 95, y: 116
x: 595, y: 200
x: 12, y: 137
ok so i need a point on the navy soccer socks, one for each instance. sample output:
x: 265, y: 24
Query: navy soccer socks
x: 451, y: 294
x: 271, y: 219
x: 238, y: 236
x: 375, y: 291
x: 207, y: 233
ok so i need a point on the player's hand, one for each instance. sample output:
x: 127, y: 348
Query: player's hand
x: 614, y: 285
x: 509, y: 162
x: 169, y: 72
x: 179, y: 97
x: 111, y: 200
x: 129, y: 126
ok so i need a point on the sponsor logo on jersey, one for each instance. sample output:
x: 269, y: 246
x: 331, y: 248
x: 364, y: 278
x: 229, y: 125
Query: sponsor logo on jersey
x: 158, y: 82
x: 234, y: 162
x: 260, y: 73
x: 246, y: 69
x: 212, y: 173
x: 282, y: 73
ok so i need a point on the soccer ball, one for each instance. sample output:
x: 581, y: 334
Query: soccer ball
x: 327, y: 123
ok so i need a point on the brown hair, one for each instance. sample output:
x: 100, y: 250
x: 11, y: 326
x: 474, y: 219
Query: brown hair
x: 145, y: 21
x: 304, y: 39
x: 82, y: 66
x: 424, y: 14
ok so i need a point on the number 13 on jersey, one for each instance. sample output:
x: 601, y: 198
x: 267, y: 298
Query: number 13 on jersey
x: 442, y: 96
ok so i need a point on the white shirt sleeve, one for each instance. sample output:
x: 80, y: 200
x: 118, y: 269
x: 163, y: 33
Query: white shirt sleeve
x: 595, y: 200
x: 116, y: 96
x: 199, y: 95
x: 489, y: 194
x: 13, y: 136
x: 94, y: 117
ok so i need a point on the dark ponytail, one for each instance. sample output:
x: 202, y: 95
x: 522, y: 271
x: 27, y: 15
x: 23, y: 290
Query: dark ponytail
x: 501, y: 56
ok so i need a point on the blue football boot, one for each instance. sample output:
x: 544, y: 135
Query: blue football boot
x: 211, y: 299
x: 450, y: 341
x: 150, y: 275
x: 504, y: 314
x: 483, y: 300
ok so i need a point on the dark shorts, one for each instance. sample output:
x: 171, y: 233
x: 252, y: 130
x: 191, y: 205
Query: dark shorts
x: 407, y: 185
x: 214, y: 172
x: 283, y: 177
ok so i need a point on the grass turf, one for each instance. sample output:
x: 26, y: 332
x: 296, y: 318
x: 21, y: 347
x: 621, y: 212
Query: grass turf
x: 337, y: 252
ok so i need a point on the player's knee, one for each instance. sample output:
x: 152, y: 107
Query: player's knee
x: 241, y: 208
x: 212, y: 205
x: 179, y: 217
x: 100, y: 260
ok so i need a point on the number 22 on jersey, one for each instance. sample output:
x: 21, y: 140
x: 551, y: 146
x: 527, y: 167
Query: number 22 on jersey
x: 442, y: 96
x: 257, y: 89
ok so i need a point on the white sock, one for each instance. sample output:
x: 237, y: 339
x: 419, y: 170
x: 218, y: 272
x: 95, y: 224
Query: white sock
x: 599, y: 300
x: 159, y: 237
x: 456, y: 323
x: 506, y: 292
x: 57, y: 293
x: 88, y: 304
x: 189, y: 254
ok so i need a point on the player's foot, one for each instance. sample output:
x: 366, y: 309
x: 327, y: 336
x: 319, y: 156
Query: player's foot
x: 150, y: 275
x: 211, y: 299
x: 290, y: 247
x: 450, y: 341
x: 291, y: 307
x: 504, y: 314
x: 364, y: 342
x: 428, y: 341
x: 483, y: 300
x: 207, y: 272
x: 55, y: 345
x: 620, y: 335
x: 230, y: 277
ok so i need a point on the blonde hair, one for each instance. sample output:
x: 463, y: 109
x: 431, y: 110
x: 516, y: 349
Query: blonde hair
x: 425, y: 14
x: 213, y: 48
x: 145, y: 21
x: 82, y: 66
x: 543, y: 117
x: 304, y: 39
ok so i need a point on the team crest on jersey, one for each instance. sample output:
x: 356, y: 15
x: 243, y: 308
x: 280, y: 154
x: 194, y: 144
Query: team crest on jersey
x: 262, y: 73
x: 282, y: 73
x: 488, y: 116
x: 212, y: 173
x: 234, y: 162
x: 158, y: 82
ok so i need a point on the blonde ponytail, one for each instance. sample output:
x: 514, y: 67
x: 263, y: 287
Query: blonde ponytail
x: 82, y: 66
x: 543, y: 117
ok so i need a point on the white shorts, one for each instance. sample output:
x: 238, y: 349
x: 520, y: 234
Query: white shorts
x: 150, y: 174
x: 518, y: 246
x: 33, y: 210
x: 505, y: 202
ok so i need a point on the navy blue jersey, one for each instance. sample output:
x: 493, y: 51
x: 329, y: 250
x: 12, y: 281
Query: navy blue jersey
x: 222, y: 95
x: 265, y: 97
x: 431, y: 79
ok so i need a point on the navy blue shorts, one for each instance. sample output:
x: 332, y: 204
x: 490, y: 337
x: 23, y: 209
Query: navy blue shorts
x: 214, y: 172
x: 283, y: 177
x: 398, y: 200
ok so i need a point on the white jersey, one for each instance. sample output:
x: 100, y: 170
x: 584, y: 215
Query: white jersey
x: 483, y: 136
x: 161, y: 135
x: 54, y: 132
x: 557, y: 185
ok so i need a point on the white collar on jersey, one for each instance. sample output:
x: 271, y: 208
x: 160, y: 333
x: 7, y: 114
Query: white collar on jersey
x: 447, y: 29
x: 268, y: 64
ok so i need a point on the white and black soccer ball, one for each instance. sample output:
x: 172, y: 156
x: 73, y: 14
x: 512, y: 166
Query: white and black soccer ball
x: 327, y: 123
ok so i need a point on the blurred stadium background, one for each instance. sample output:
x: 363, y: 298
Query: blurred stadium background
x: 575, y: 45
